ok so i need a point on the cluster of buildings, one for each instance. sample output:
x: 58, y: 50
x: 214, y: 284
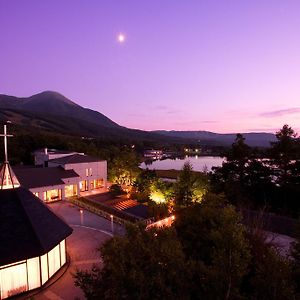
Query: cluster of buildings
x: 58, y: 175
x: 33, y: 238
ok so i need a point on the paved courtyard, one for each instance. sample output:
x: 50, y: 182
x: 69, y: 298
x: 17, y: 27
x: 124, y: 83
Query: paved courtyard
x: 90, y: 232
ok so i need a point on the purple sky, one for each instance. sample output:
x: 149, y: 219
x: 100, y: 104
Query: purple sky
x: 223, y: 66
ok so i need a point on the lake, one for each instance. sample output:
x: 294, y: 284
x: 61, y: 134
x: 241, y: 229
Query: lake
x: 199, y: 163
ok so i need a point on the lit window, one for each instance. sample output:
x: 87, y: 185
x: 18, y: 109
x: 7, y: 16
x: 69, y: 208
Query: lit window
x: 33, y: 271
x: 13, y: 280
x: 63, y: 252
x: 91, y: 173
x: 54, y: 260
x: 86, y: 172
x: 44, y: 266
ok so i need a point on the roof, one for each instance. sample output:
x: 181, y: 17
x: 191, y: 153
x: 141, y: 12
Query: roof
x: 53, y: 151
x: 140, y: 210
x: 39, y: 177
x: 74, y: 159
x: 28, y: 228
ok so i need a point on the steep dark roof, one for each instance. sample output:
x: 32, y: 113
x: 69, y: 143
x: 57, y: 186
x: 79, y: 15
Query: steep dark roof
x: 74, y: 159
x: 40, y: 177
x: 28, y: 228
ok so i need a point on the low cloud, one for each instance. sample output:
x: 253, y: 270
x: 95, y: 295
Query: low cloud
x: 134, y: 115
x: 161, y: 107
x: 281, y: 112
x: 209, y: 122
x: 173, y: 112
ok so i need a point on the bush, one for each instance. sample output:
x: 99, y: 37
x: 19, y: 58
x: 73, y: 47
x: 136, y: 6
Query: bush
x: 116, y: 190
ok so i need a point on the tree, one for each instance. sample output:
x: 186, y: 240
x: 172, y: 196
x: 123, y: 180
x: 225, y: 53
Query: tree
x: 123, y: 169
x: 273, y: 277
x: 283, y: 152
x: 190, y: 187
x: 231, y: 177
x: 214, y: 239
x: 141, y: 265
x: 262, y: 281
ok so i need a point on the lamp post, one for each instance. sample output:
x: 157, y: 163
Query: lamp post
x: 112, y: 223
x: 81, y: 216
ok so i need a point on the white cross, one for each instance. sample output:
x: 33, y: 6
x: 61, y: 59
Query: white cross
x: 5, y: 135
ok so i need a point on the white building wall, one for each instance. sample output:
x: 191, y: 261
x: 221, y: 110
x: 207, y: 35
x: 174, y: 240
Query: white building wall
x: 98, y: 171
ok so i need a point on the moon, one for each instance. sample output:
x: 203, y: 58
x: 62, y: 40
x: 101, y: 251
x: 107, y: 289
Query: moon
x: 121, y: 38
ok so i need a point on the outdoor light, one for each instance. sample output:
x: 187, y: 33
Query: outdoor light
x: 112, y: 223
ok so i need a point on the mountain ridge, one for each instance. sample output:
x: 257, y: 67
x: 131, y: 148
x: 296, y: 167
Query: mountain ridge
x: 254, y: 139
x: 52, y: 111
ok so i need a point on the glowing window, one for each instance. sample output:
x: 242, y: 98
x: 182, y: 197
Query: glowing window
x: 63, y: 252
x: 33, y: 271
x: 44, y: 266
x: 53, y: 260
x: 13, y: 280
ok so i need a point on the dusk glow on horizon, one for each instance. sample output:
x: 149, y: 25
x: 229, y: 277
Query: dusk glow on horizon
x: 222, y: 66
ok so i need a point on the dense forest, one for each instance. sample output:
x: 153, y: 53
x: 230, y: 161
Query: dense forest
x: 262, y: 179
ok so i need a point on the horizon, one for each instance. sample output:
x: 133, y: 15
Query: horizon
x: 160, y: 66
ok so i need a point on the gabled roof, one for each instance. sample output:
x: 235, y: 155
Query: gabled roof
x: 39, y: 177
x: 74, y: 159
x: 28, y: 228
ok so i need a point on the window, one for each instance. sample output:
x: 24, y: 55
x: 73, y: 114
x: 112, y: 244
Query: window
x: 53, y: 260
x: 91, y: 173
x: 86, y: 172
x: 70, y: 190
x: 63, y: 252
x: 44, y: 267
x: 33, y: 272
x: 13, y: 280
x: 83, y: 185
x: 52, y: 195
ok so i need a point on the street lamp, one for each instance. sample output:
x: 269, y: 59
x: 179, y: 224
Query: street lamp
x: 112, y: 223
x: 81, y: 216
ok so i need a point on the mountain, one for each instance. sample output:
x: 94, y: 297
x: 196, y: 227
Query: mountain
x: 253, y: 139
x: 53, y: 103
x: 53, y: 112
